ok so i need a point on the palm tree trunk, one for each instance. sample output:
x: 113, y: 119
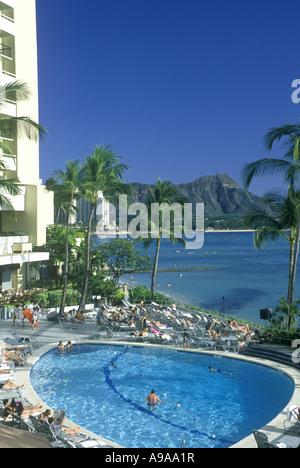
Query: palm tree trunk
x: 291, y: 267
x: 88, y: 261
x: 296, y: 254
x: 155, y: 265
x: 66, y: 265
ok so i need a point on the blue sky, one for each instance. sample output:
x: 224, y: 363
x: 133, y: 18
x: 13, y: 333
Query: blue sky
x: 180, y: 89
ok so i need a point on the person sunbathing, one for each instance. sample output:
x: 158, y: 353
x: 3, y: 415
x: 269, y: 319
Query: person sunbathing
x: 158, y: 324
x: 10, y: 384
x: 5, y: 371
x: 14, y: 358
x: 234, y: 325
x: 22, y: 411
x: 59, y: 427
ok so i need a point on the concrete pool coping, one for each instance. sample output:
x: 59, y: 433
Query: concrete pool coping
x: 273, y: 429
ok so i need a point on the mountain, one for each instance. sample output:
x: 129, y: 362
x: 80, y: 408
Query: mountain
x: 220, y: 194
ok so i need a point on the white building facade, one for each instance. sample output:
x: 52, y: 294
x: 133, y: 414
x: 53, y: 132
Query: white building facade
x: 34, y: 206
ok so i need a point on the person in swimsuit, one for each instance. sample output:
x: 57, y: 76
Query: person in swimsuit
x: 152, y: 400
x: 217, y: 370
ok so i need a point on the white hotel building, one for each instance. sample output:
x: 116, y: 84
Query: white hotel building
x: 19, y: 265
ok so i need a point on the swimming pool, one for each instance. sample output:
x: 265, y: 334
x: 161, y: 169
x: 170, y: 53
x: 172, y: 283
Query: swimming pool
x: 207, y: 409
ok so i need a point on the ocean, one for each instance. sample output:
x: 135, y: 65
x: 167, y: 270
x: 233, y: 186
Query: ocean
x: 239, y: 280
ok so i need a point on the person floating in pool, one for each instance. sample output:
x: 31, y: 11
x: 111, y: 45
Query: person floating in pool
x: 152, y: 400
x: 218, y: 370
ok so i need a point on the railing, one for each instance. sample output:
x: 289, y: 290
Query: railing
x: 8, y: 18
x: 6, y: 51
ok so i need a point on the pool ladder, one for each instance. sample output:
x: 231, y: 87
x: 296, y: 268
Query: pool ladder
x: 182, y: 443
x: 72, y: 332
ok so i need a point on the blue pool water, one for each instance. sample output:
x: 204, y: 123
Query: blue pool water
x: 207, y: 409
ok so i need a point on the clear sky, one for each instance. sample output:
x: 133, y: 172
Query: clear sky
x: 179, y: 88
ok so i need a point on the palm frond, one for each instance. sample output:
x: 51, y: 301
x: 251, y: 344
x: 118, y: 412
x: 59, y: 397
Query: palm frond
x: 277, y: 133
x: 266, y: 166
x: 15, y: 91
x: 22, y: 127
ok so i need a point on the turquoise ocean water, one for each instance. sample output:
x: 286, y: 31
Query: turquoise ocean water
x: 247, y: 279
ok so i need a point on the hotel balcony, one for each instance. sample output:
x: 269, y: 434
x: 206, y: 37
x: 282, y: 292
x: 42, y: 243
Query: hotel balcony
x: 9, y: 108
x: 6, y: 4
x: 15, y: 250
x: 7, y: 26
x: 8, y: 243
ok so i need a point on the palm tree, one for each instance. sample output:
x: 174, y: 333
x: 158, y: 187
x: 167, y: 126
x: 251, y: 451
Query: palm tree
x: 11, y: 127
x: 103, y: 175
x: 68, y: 184
x: 8, y: 187
x: 283, y: 224
x: 164, y: 194
x: 288, y: 165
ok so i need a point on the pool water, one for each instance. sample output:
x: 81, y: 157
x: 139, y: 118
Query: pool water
x: 207, y: 409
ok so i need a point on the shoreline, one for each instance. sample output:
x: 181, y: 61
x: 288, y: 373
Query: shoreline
x: 109, y: 234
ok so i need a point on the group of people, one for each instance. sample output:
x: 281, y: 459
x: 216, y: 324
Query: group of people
x: 75, y: 317
x: 8, y: 410
x: 21, y: 314
x: 214, y: 328
x: 62, y: 348
x: 9, y: 356
x: 121, y: 316
x: 57, y: 423
x: 13, y: 353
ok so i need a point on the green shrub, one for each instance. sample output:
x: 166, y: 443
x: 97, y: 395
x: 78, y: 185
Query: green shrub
x: 42, y: 299
x: 118, y: 297
x: 52, y: 299
x: 142, y: 293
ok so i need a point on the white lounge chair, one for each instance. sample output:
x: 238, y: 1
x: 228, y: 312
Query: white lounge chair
x: 292, y: 416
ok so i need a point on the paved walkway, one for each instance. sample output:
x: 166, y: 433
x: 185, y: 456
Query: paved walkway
x: 49, y: 334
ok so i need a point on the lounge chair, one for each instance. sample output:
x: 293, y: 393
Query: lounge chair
x: 26, y: 341
x: 22, y: 352
x: 5, y: 377
x: 10, y: 393
x: 18, y: 423
x: 221, y: 345
x: 292, y: 417
x: 44, y: 429
x: 234, y: 344
x: 262, y: 440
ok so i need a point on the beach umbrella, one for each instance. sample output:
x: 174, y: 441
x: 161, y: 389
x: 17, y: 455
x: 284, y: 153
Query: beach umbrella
x: 14, y: 438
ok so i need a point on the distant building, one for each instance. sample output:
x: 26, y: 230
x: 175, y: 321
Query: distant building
x: 101, y: 214
x: 34, y: 207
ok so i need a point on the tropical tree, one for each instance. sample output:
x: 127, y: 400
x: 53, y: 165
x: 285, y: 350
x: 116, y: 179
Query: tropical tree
x: 12, y: 127
x: 103, y: 176
x: 8, y: 188
x: 69, y: 182
x: 282, y: 224
x: 165, y: 196
x: 120, y: 256
x: 288, y: 166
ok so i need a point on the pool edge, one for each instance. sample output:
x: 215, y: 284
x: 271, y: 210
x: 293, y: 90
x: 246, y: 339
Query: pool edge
x: 273, y: 429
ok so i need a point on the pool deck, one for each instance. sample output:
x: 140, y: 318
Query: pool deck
x: 48, y: 334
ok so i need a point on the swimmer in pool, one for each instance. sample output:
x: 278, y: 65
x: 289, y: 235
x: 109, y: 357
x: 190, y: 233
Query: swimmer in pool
x: 218, y: 370
x: 152, y: 400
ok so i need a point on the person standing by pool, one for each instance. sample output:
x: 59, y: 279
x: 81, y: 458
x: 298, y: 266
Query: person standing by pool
x: 185, y: 339
x: 152, y: 400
